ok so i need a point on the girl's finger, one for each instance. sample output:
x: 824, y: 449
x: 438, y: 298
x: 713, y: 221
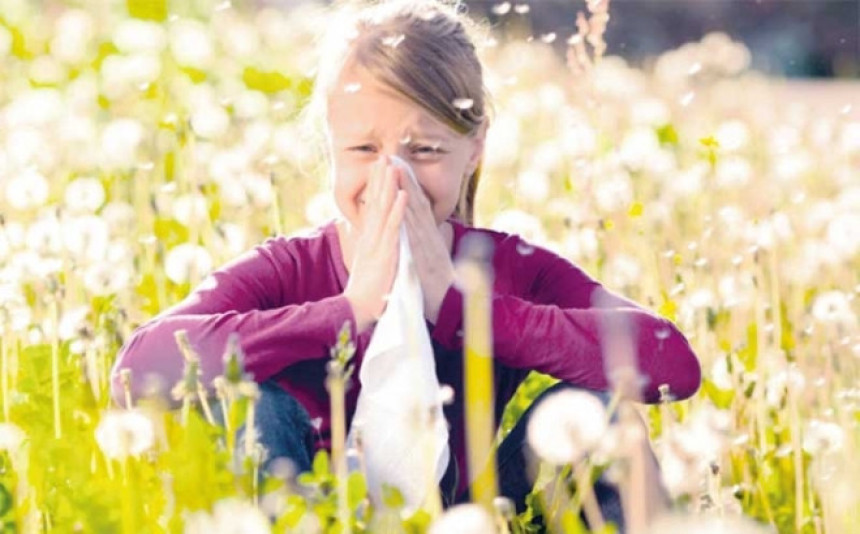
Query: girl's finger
x: 391, y: 231
x: 374, y: 182
x: 388, y: 189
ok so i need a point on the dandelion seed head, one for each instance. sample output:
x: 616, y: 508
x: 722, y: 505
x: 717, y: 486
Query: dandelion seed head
x: 191, y: 209
x: 120, y: 140
x: 85, y: 194
x: 5, y: 41
x: 464, y: 518
x: 533, y: 185
x: 229, y: 516
x: 210, y: 121
x: 566, y: 425
x: 519, y: 222
x: 834, y: 308
x: 27, y: 190
x: 124, y: 433
x: 12, y: 437
x: 823, y: 437
x: 186, y: 261
x: 133, y: 35
x: 705, y: 524
x: 190, y: 44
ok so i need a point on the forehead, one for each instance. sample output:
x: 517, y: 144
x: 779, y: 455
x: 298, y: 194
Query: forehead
x: 359, y: 105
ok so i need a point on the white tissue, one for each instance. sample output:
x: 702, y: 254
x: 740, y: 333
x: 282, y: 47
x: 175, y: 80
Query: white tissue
x: 404, y: 435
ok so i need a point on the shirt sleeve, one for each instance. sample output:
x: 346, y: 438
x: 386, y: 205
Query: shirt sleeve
x: 559, y: 321
x: 256, y: 296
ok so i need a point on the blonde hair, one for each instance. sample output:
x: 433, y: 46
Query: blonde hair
x: 423, y: 49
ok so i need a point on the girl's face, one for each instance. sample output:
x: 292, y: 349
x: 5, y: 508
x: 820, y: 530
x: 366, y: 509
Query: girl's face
x: 367, y: 120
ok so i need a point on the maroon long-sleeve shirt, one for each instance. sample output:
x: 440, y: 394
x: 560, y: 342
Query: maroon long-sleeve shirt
x: 285, y: 300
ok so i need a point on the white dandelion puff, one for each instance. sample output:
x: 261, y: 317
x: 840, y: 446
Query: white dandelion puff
x: 190, y: 44
x: 120, y: 140
x: 85, y: 194
x: 823, y: 437
x: 139, y: 36
x: 124, y: 433
x: 210, y: 121
x: 27, y: 190
x: 533, y: 185
x: 566, y: 425
x: 464, y: 519
x: 229, y: 516
x: 86, y: 236
x: 5, y: 41
x: 187, y: 261
x: 834, y: 307
x: 191, y: 209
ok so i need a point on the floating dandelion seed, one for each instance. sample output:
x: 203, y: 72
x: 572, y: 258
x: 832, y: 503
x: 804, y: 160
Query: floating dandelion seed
x: 393, y: 40
x: 463, y: 103
x: 406, y: 139
x: 548, y: 37
x: 846, y: 109
x: 502, y: 9
x: 352, y: 88
x: 223, y: 6
x: 522, y: 9
x: 687, y: 98
x: 694, y: 69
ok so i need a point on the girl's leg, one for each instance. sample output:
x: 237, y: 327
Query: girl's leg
x: 283, y: 427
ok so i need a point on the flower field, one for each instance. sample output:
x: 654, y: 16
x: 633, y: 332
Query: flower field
x: 141, y: 150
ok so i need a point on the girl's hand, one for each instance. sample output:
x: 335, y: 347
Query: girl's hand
x: 375, y: 254
x: 429, y: 249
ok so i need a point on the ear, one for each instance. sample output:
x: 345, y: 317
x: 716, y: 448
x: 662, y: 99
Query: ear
x: 478, y: 139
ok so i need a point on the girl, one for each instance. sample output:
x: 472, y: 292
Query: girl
x: 404, y: 80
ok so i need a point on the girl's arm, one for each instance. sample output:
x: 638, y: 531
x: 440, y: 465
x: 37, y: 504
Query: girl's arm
x: 554, y: 325
x: 247, y: 297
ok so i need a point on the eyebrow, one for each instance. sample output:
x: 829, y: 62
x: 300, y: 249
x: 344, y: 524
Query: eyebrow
x: 414, y: 134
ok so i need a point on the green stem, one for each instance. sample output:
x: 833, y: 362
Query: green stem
x: 55, y: 377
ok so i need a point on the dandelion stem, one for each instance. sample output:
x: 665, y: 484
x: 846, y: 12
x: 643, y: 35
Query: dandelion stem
x: 4, y: 376
x: 476, y: 280
x: 584, y: 498
x: 337, y: 392
x: 55, y: 376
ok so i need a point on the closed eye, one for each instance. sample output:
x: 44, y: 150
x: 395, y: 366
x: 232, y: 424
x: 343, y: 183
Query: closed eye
x: 362, y: 148
x: 427, y: 149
